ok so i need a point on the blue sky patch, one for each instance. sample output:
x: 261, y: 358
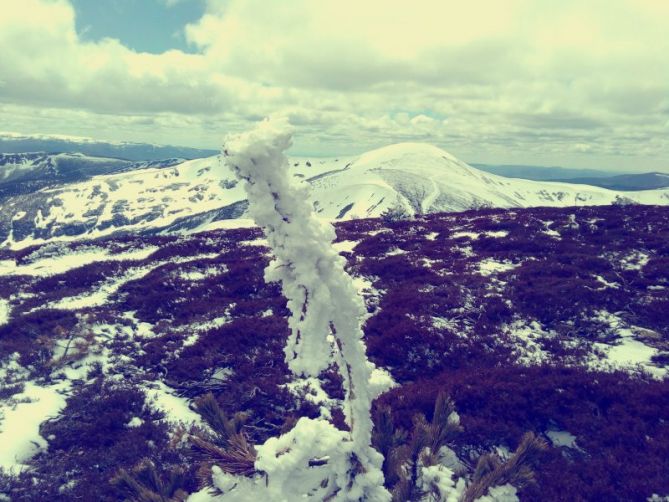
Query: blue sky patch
x: 143, y: 25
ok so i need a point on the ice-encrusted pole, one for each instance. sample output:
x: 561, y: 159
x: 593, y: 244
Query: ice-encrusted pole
x: 325, y: 307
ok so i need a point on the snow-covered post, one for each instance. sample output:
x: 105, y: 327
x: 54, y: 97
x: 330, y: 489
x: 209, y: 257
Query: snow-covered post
x: 325, y: 307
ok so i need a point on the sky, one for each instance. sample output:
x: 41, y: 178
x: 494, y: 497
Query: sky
x: 576, y: 83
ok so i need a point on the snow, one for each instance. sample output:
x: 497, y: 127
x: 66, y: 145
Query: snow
x: 101, y: 294
x: 5, y: 311
x: 325, y: 322
x: 61, y: 263
x: 311, y: 390
x: 19, y: 422
x: 394, y: 251
x: 345, y: 246
x: 528, y: 341
x: 380, y: 381
x: 635, y: 261
x: 446, y: 323
x: 551, y: 232
x: 438, y: 479
x: 628, y: 352
x: 226, y: 225
x: 255, y: 242
x: 135, y: 422
x: 201, y: 274
x: 561, y: 438
x: 469, y: 235
x: 176, y: 408
x: 286, y: 463
x: 489, y: 266
x: 607, y: 284
x: 498, y: 234
x: 11, y: 371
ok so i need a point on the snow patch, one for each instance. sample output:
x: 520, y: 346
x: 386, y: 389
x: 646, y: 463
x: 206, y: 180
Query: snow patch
x: 634, y: 261
x: 561, y: 438
x: 55, y: 265
x: 628, y: 352
x: 176, y: 408
x: 5, y: 310
x: 489, y: 266
x: 528, y: 338
x: 345, y: 246
x: 20, y: 422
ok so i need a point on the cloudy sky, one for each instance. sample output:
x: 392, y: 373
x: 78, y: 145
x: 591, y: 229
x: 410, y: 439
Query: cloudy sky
x: 582, y: 83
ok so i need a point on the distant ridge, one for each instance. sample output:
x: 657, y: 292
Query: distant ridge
x: 643, y: 181
x: 19, y: 143
x: 543, y: 173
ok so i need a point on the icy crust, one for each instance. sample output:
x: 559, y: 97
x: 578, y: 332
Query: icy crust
x: 325, y: 321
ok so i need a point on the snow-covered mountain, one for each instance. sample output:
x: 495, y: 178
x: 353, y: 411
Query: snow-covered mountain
x: 22, y: 173
x: 195, y: 194
x: 11, y: 142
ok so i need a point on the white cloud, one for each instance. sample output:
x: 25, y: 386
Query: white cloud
x: 523, y: 77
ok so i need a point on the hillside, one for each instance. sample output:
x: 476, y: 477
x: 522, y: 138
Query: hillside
x: 26, y: 173
x: 644, y: 181
x: 548, y: 320
x: 57, y: 143
x: 196, y: 194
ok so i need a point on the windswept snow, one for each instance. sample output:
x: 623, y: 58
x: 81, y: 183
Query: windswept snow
x: 61, y: 263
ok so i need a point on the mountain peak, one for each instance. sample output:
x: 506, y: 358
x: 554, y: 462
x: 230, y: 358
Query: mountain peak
x: 403, y: 151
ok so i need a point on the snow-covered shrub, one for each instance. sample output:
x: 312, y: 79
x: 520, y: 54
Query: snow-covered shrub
x: 314, y: 458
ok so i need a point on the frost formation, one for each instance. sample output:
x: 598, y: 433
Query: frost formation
x: 314, y: 459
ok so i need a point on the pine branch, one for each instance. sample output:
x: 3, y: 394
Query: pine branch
x: 517, y: 470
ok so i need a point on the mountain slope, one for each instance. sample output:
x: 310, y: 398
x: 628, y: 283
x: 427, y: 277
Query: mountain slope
x: 195, y: 194
x: 426, y: 179
x: 23, y: 173
x: 21, y: 143
x: 546, y: 320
